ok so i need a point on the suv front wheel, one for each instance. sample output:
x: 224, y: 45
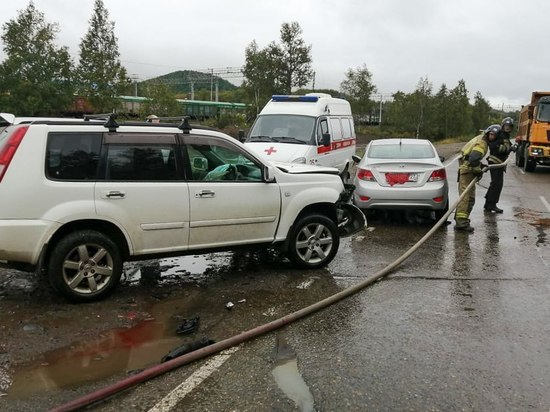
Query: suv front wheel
x: 313, y: 241
x: 85, y: 266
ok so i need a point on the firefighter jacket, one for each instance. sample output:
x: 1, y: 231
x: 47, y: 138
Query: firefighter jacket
x: 472, y: 154
x: 499, y: 148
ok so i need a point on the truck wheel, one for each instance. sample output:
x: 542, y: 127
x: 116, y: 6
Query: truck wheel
x: 520, y: 155
x: 530, y: 165
x: 313, y: 241
x: 85, y: 266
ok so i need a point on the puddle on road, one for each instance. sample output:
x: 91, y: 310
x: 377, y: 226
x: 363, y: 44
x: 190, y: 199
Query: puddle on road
x: 112, y: 352
x: 195, y: 268
x: 534, y: 219
x: 126, y: 349
x: 288, y: 377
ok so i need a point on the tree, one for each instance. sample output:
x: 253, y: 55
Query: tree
x: 441, y: 112
x: 36, y: 76
x: 294, y: 58
x: 460, y: 110
x: 358, y: 87
x: 279, y: 67
x: 101, y: 76
x: 162, y: 102
x: 260, y: 73
x: 481, y: 112
x: 422, y: 96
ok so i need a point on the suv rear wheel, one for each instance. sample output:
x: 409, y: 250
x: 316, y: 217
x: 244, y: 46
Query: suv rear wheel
x: 85, y: 266
x: 313, y: 241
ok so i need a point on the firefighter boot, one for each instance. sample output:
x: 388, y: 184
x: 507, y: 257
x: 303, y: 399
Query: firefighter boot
x: 463, y: 225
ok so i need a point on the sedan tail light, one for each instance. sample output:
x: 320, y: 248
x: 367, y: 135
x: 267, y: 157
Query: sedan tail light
x: 365, y: 174
x: 439, y: 174
x: 7, y: 150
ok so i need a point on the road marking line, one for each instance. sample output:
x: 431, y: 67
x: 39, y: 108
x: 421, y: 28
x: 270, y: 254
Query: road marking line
x: 545, y: 203
x: 196, y: 378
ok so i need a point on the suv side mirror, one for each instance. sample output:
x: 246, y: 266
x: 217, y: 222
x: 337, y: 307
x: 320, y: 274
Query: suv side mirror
x: 356, y: 159
x: 325, y: 140
x: 268, y: 175
x: 241, y: 135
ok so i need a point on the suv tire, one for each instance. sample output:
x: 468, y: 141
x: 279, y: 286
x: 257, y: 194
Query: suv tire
x: 313, y: 241
x: 85, y: 266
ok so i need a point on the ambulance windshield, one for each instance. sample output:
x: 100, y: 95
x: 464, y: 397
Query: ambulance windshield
x: 284, y: 128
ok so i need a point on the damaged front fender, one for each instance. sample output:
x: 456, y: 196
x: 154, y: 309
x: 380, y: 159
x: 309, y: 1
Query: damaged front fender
x: 350, y: 218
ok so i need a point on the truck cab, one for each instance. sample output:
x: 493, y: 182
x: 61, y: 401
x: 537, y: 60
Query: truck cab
x: 534, y: 133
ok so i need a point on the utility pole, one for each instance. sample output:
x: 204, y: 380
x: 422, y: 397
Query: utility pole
x: 211, y: 83
x: 380, y: 112
x: 135, y: 78
x: 313, y: 85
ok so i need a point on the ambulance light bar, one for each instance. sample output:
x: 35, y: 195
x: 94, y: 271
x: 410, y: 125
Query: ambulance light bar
x: 293, y: 98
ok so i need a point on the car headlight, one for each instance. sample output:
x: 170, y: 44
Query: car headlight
x: 301, y: 160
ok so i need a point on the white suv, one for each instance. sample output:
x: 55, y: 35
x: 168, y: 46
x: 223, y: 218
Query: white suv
x: 78, y: 198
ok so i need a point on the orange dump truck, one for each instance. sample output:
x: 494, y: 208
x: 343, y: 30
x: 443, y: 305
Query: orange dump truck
x: 533, y: 137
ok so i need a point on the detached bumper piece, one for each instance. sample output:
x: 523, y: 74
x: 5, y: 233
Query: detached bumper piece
x: 350, y: 218
x: 186, y: 348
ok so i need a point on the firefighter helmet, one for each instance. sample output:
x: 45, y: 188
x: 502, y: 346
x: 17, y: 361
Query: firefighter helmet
x: 507, y: 121
x: 494, y: 128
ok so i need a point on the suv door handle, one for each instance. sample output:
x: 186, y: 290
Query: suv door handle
x: 205, y: 193
x: 115, y: 193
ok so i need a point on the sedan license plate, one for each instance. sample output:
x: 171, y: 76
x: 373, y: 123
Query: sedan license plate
x: 400, y: 178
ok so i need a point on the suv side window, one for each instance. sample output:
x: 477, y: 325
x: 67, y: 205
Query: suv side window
x: 141, y: 158
x: 72, y: 156
x: 216, y: 160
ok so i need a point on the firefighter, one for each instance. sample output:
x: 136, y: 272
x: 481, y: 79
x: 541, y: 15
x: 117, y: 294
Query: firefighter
x: 498, y: 153
x: 469, y: 169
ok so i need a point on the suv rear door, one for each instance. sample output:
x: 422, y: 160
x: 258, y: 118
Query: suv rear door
x: 230, y: 204
x: 143, y: 191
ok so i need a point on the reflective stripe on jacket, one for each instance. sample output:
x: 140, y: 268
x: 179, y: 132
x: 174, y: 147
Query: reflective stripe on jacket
x: 478, y: 146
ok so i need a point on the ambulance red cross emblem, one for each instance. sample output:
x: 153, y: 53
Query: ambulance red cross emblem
x: 270, y: 150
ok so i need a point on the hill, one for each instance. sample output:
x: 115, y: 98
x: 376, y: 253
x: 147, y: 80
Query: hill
x: 180, y: 81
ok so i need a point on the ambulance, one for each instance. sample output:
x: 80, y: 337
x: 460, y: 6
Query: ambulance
x: 312, y: 129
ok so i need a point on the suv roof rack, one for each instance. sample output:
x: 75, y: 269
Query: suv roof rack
x: 102, y: 116
x: 110, y: 122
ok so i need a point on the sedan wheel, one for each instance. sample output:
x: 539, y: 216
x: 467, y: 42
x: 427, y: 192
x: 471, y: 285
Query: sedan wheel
x: 85, y: 266
x: 313, y: 241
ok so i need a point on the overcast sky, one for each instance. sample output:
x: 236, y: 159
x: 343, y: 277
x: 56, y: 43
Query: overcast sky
x: 498, y: 47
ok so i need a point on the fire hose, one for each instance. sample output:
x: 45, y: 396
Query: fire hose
x: 214, y: 348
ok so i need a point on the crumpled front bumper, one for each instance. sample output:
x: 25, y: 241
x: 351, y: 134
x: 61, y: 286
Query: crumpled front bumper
x: 350, y: 218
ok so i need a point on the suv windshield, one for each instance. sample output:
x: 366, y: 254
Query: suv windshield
x: 283, y: 128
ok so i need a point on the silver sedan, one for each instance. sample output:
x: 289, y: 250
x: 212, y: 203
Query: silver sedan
x: 401, y: 174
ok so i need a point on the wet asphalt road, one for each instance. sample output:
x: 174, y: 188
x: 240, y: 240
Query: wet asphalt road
x: 461, y: 325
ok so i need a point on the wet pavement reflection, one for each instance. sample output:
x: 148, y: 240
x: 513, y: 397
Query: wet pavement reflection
x: 288, y: 377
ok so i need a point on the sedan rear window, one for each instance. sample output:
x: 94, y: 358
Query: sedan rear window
x: 401, y: 151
